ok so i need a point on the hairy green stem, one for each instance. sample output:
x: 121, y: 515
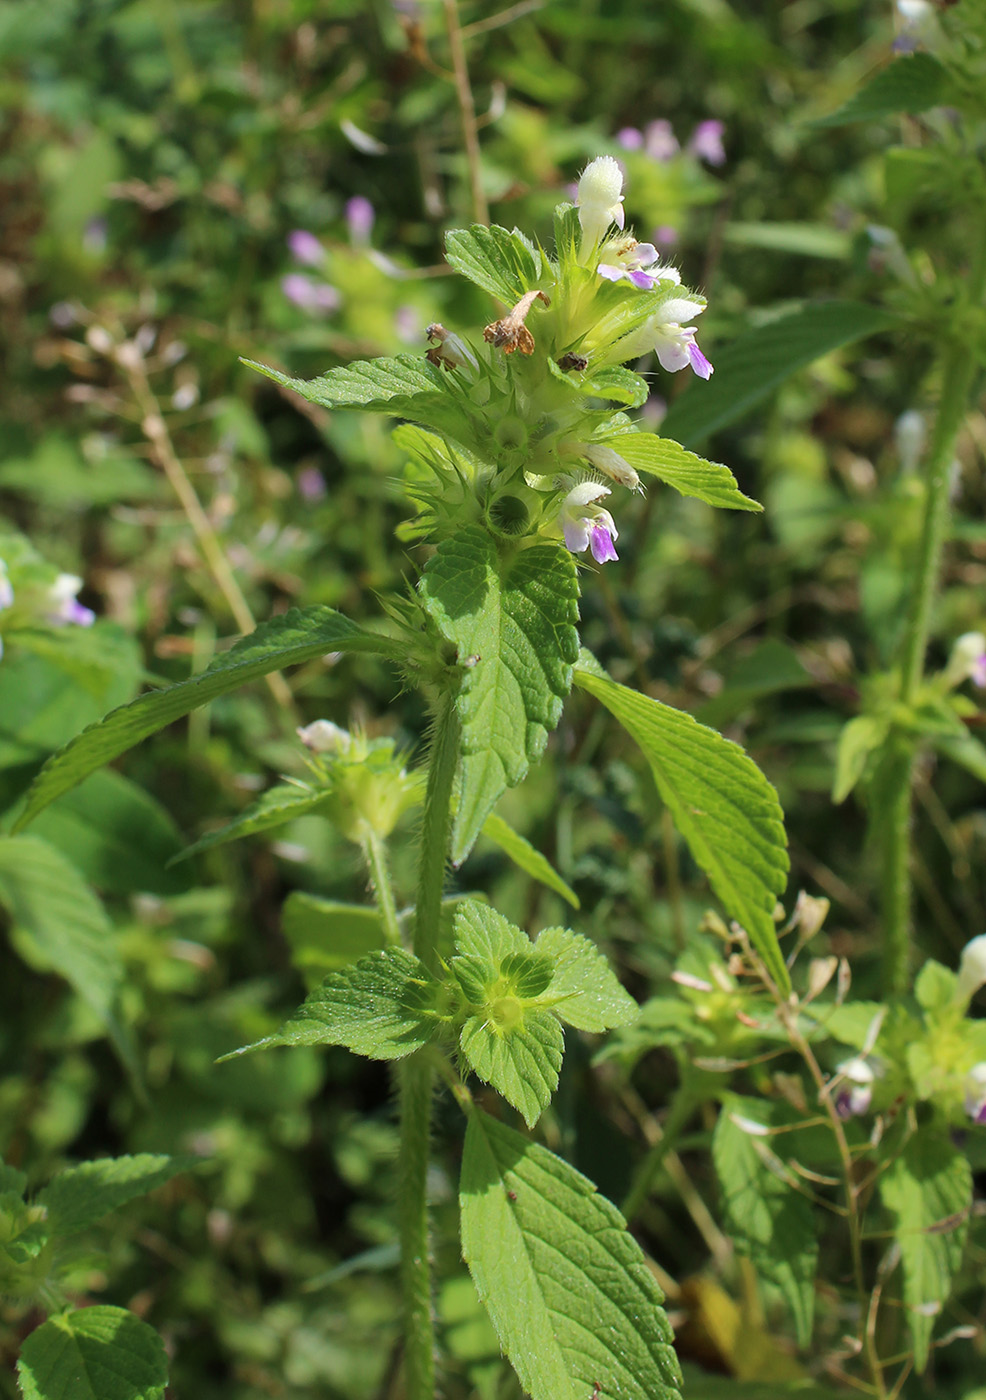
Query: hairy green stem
x: 416, y: 1072
x: 375, y: 854
x: 958, y: 369
x: 682, y: 1108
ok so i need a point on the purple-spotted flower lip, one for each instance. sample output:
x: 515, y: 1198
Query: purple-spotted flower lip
x: 638, y: 263
x: 587, y: 525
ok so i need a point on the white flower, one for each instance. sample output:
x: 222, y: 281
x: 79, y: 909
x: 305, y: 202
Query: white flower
x: 854, y: 1097
x: 586, y: 525
x: 64, y: 606
x: 972, y: 970
x: 673, y: 341
x: 322, y: 736
x: 975, y: 1093
x: 968, y: 660
x: 599, y: 199
x: 635, y: 262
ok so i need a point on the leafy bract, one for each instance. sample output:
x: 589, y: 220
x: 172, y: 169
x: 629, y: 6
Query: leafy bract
x: 928, y: 1190
x: 619, y: 384
x: 300, y: 635
x: 79, y: 1196
x: 566, y: 1286
x: 97, y: 1353
x: 721, y: 803
x: 382, y: 1006
x: 66, y: 926
x: 770, y: 1220
x: 275, y: 807
x: 691, y: 475
x: 379, y: 386
x: 527, y: 857
x: 751, y: 367
x: 522, y: 1064
x: 504, y: 264
x: 584, y: 990
x: 911, y: 83
x: 859, y: 738
x: 512, y: 619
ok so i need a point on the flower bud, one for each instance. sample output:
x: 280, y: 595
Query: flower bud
x: 322, y: 736
x: 972, y: 970
x: 975, y: 1093
x: 599, y: 199
x: 611, y: 464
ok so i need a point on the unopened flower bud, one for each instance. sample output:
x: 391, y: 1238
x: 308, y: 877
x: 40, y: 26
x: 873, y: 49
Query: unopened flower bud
x: 322, y: 736
x: 600, y: 199
x: 611, y: 464
x: 972, y: 970
x: 975, y: 1093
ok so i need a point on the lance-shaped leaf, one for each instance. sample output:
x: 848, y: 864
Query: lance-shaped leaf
x: 504, y: 264
x: 751, y: 367
x: 97, y: 1353
x: 512, y: 619
x: 575, y: 1307
x: 721, y: 803
x: 771, y: 1221
x: 527, y: 857
x: 912, y: 83
x: 298, y: 636
x: 686, y: 472
x: 79, y: 1196
x: 584, y: 990
x: 379, y: 386
x: 383, y: 1006
x: 928, y: 1190
x: 275, y: 807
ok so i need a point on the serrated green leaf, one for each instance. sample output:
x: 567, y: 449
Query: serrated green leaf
x: 483, y: 933
x: 721, y: 803
x: 928, y: 1190
x: 751, y: 367
x: 619, y: 384
x: 97, y: 1353
x: 504, y: 264
x: 590, y: 996
x: 768, y: 1218
x: 66, y: 925
x: 859, y: 738
x: 389, y: 385
x: 911, y: 83
x: 300, y: 635
x: 686, y: 472
x: 520, y: 1061
x: 575, y: 1307
x: 512, y: 621
x: 524, y: 855
x: 79, y: 1196
x: 275, y: 807
x: 382, y: 1006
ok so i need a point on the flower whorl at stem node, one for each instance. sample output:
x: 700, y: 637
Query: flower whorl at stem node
x: 509, y: 333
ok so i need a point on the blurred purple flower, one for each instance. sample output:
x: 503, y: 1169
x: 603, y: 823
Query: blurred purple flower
x: 660, y: 141
x: 706, y: 143
x: 665, y: 236
x: 65, y: 606
x: 630, y: 138
x: 317, y: 297
x: 311, y: 484
x: 360, y: 215
x: 409, y: 324
x: 305, y: 247
x: 94, y: 235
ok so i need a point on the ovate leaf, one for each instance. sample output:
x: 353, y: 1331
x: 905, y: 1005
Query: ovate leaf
x: 300, y: 635
x: 859, y: 738
x: 584, y: 990
x: 382, y: 1006
x: 686, y: 472
x: 512, y: 620
x: 721, y: 803
x: 504, y: 264
x: 521, y: 1060
x: 912, y: 83
x: 751, y: 367
x: 65, y: 924
x: 94, y: 1354
x: 768, y: 1218
x: 81, y: 1195
x: 928, y: 1190
x: 524, y: 855
x: 566, y: 1286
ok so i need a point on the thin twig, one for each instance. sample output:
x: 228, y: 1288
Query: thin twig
x: 484, y: 26
x: 467, y: 111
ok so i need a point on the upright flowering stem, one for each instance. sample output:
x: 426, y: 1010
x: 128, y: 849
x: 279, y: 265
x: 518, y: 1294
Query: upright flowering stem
x: 958, y: 369
x: 416, y: 1071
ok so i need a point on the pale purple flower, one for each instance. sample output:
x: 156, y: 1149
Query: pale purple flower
x: 630, y: 138
x: 853, y: 1098
x: 968, y: 660
x: 675, y: 343
x: 666, y: 235
x: 94, y: 235
x: 311, y: 484
x: 408, y: 323
x: 360, y: 215
x: 586, y: 525
x: 975, y: 1093
x: 6, y: 590
x: 660, y: 142
x: 305, y: 248
x: 64, y: 607
x: 638, y: 263
x: 316, y: 297
x: 706, y: 143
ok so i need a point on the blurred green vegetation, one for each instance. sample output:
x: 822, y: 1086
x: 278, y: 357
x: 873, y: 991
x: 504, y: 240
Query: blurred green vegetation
x: 155, y: 157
